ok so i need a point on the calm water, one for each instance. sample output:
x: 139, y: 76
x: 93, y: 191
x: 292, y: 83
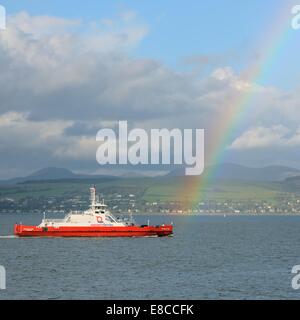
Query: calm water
x: 208, y: 258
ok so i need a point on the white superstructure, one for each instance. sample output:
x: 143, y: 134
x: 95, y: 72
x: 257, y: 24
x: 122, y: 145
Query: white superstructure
x: 97, y: 214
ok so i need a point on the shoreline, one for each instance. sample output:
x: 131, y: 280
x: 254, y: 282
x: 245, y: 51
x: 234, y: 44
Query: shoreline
x: 171, y: 214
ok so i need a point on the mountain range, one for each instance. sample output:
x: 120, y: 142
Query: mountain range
x: 227, y: 171
x: 236, y: 172
x: 53, y: 173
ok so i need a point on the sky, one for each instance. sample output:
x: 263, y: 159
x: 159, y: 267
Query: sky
x: 68, y: 69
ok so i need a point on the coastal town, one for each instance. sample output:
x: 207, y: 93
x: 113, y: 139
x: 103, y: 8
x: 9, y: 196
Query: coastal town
x: 130, y: 203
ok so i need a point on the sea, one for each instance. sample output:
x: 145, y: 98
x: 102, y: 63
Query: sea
x: 209, y: 257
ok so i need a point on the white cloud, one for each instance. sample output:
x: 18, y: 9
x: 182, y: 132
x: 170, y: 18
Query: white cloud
x: 17, y: 129
x: 37, y: 25
x: 78, y: 148
x: 223, y: 73
x: 262, y: 137
x: 128, y: 15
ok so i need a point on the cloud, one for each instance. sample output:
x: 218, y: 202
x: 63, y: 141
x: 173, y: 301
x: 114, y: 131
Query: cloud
x: 80, y: 148
x: 223, y: 73
x: 37, y: 25
x: 81, y: 129
x: 128, y: 15
x: 262, y: 137
x: 62, y: 79
x: 50, y: 73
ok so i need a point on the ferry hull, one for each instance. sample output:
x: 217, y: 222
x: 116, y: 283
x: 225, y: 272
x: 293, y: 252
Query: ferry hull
x: 97, y: 231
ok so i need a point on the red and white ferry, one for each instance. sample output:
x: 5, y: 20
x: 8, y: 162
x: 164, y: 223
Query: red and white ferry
x: 97, y: 221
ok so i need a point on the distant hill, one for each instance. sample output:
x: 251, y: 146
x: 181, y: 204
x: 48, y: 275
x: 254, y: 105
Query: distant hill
x: 51, y: 174
x: 226, y: 171
x: 235, y: 172
x: 292, y: 184
x: 133, y: 175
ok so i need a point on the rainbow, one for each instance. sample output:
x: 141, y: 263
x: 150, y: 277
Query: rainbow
x: 236, y: 107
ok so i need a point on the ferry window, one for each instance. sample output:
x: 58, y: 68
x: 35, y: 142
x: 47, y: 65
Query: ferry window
x: 109, y: 219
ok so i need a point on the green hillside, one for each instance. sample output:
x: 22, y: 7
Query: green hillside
x: 150, y: 189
